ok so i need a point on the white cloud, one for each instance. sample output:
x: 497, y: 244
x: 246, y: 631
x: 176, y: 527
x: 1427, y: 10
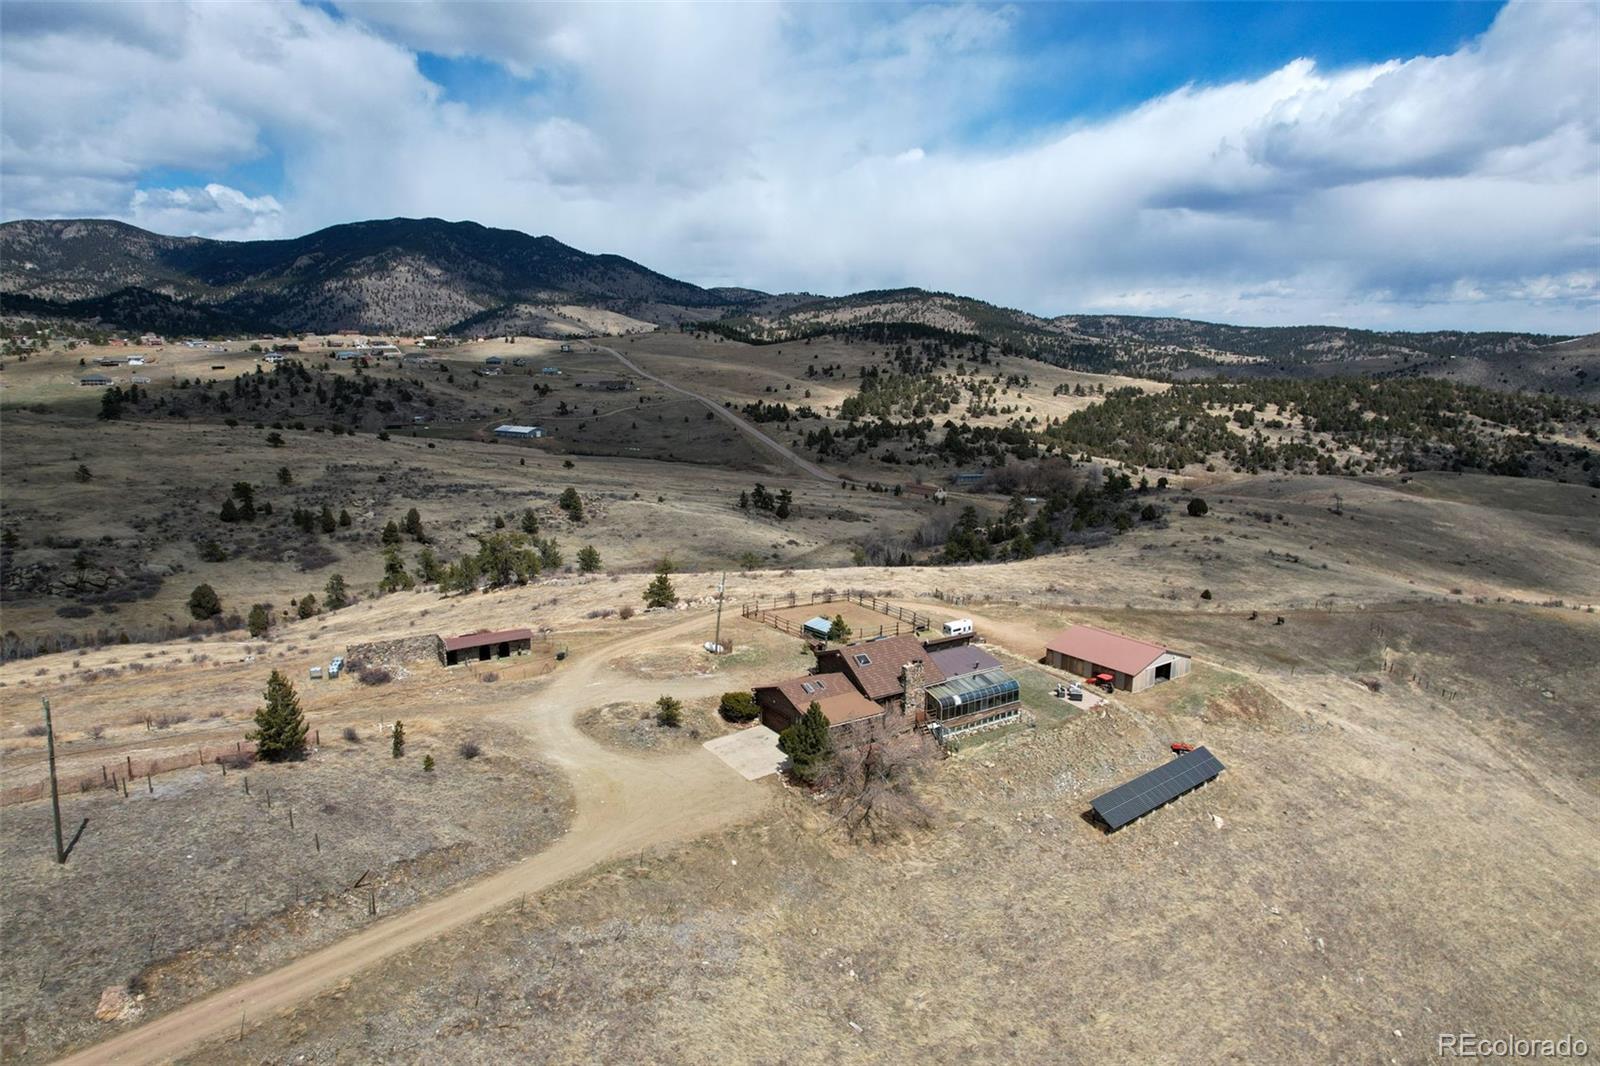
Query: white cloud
x: 828, y: 148
x: 214, y: 210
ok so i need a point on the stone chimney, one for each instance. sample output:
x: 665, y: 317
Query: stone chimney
x: 914, y: 694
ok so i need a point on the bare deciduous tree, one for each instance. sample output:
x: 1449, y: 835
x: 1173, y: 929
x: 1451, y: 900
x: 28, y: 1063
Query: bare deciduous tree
x: 873, y: 789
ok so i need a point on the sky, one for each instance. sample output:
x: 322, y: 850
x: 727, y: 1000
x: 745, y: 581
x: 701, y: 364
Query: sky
x: 1404, y: 166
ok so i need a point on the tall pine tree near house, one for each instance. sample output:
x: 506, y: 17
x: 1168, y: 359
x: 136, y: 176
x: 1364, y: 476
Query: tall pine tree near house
x: 280, y: 731
x: 807, y: 743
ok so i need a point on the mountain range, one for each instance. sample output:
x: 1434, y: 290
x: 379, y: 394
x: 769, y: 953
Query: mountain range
x: 414, y: 276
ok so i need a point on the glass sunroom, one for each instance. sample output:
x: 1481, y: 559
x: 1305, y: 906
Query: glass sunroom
x: 992, y: 694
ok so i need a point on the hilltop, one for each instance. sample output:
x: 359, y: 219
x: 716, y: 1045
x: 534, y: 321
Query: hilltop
x: 416, y: 276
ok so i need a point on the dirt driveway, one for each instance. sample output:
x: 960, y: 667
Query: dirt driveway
x: 805, y: 465
x: 624, y: 804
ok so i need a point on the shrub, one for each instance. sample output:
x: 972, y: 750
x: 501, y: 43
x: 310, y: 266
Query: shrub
x: 739, y: 707
x: 625, y: 612
x: 588, y: 559
x: 1198, y: 508
x: 374, y: 675
x: 488, y: 677
x: 35, y: 730
x: 469, y: 749
x: 203, y: 602
x: 352, y: 734
x: 572, y: 503
x: 1205, y: 594
x: 669, y: 713
x: 427, y: 764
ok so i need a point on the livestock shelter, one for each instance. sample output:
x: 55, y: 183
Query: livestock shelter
x: 1134, y: 665
x: 511, y: 432
x: 818, y: 627
x: 487, y: 645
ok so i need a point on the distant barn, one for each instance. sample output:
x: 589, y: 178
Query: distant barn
x: 487, y: 645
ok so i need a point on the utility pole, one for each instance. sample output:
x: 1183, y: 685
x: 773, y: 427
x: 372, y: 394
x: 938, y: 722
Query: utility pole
x: 721, y: 595
x: 55, y: 796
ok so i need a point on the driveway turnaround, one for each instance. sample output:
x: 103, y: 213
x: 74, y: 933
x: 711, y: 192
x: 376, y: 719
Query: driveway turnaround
x: 753, y: 752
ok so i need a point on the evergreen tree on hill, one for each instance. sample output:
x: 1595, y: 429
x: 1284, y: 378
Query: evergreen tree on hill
x: 280, y: 731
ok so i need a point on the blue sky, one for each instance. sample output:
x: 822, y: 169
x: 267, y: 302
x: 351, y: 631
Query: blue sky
x: 1412, y: 165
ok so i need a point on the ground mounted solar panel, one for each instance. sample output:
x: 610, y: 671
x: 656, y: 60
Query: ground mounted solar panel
x: 1162, y: 785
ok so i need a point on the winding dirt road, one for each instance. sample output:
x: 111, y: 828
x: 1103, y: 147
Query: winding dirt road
x: 749, y: 429
x: 624, y: 805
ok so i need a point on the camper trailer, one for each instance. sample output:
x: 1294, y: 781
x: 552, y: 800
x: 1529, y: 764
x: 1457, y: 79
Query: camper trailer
x: 961, y: 627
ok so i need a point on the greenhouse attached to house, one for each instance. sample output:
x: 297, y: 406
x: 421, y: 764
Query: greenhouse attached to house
x: 974, y: 701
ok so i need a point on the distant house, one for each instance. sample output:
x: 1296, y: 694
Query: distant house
x: 151, y: 340
x: 493, y: 360
x: 566, y: 347
x: 136, y: 360
x: 94, y: 381
x: 550, y: 370
x: 348, y: 353
x: 917, y: 488
x: 273, y: 357
x: 609, y: 385
x: 286, y: 347
x: 967, y: 477
x: 510, y: 432
x: 108, y: 362
x: 487, y: 645
x: 1134, y: 665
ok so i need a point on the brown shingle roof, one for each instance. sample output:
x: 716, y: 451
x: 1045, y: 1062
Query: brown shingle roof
x: 490, y: 636
x: 879, y: 676
x: 800, y: 691
x: 1104, y: 648
x: 848, y: 707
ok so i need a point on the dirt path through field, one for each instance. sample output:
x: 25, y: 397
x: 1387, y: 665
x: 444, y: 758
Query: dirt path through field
x: 748, y: 429
x: 624, y: 805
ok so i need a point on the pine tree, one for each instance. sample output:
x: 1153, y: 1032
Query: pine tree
x: 785, y: 501
x: 334, y: 593
x: 530, y: 521
x: 427, y: 763
x: 660, y: 592
x: 413, y: 525
x: 307, y: 606
x: 260, y: 620
x: 807, y: 743
x: 391, y: 533
x: 397, y: 747
x: 229, y: 512
x: 839, y: 632
x: 326, y: 519
x: 280, y: 731
x: 395, y: 577
x: 344, y: 517
x: 588, y: 559
x: 572, y: 503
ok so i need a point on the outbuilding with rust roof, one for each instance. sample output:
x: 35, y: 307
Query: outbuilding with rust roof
x: 1134, y: 665
x: 487, y: 645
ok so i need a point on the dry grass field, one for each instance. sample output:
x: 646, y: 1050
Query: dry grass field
x: 1402, y: 843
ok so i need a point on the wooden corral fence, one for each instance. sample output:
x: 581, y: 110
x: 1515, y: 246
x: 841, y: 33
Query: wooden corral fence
x: 906, y: 621
x: 133, y: 773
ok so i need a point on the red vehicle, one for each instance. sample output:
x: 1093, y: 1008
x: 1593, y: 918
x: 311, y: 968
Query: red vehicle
x: 1105, y: 682
x: 1181, y: 748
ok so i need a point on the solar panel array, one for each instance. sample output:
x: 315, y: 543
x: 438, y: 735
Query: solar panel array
x: 1162, y: 785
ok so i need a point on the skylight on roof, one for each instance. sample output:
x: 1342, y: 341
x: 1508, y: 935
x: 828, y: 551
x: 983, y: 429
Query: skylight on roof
x: 862, y: 660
